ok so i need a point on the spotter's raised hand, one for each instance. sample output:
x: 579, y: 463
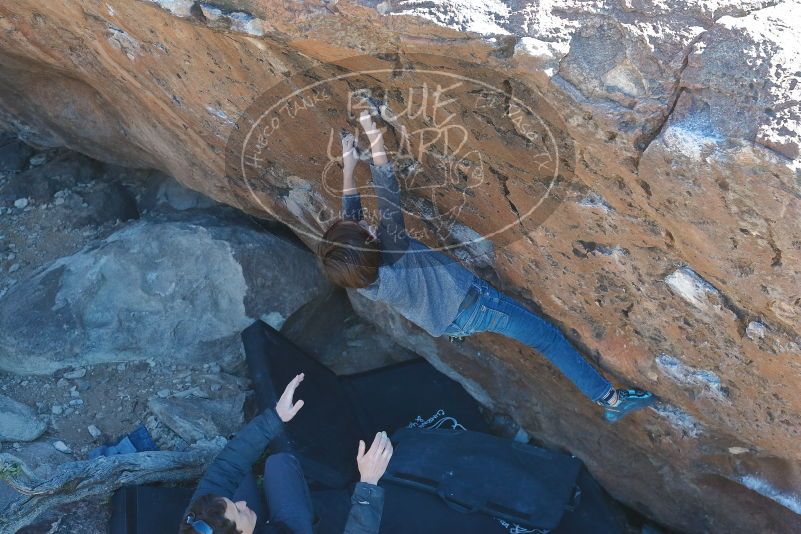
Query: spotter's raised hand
x: 286, y: 407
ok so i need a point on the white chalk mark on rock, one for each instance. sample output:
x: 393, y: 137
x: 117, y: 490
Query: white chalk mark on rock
x: 679, y: 419
x: 595, y: 201
x: 766, y: 489
x: 127, y: 44
x: 691, y: 287
x: 475, y: 249
x: 220, y: 114
x: 755, y: 330
x: 689, y: 142
x: 706, y: 381
x: 179, y: 8
x: 236, y: 21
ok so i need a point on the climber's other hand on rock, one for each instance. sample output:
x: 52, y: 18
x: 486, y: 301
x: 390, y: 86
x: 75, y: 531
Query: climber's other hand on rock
x: 369, y: 127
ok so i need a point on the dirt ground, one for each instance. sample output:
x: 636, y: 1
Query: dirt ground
x: 61, y: 202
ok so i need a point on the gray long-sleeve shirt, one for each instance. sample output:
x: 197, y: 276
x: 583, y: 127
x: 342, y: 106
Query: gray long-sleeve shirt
x: 237, y: 458
x: 425, y: 286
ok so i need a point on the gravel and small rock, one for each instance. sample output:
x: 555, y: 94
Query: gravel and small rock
x: 18, y: 421
x: 60, y: 446
x: 77, y: 373
x: 59, y: 205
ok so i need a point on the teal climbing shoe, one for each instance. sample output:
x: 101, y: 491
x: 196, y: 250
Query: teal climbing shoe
x: 631, y: 400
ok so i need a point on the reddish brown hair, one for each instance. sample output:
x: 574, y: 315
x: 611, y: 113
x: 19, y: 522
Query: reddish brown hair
x: 349, y: 255
x: 211, y: 509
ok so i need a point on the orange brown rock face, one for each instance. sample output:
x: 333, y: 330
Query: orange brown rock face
x: 667, y: 247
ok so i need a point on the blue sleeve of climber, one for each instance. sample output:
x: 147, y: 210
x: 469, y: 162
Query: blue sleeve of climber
x: 392, y: 232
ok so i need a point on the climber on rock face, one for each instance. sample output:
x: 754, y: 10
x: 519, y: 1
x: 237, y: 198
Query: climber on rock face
x: 436, y: 292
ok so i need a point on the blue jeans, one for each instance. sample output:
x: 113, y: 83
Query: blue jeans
x: 289, y: 506
x: 493, y: 311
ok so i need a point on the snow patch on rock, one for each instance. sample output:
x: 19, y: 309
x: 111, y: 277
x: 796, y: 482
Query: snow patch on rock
x: 487, y: 17
x: 549, y: 53
x: 776, y: 25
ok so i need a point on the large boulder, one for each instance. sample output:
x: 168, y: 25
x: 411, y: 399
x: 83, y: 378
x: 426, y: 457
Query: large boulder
x: 18, y: 422
x: 656, y: 220
x: 169, y: 289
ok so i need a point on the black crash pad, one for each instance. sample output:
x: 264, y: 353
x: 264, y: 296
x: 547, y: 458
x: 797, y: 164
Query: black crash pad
x: 479, y: 473
x: 339, y: 411
x: 325, y: 433
x: 395, y: 396
x: 405, y: 511
x: 148, y: 509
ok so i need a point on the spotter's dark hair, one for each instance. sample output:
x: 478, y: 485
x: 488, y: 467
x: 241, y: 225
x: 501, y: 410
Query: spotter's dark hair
x: 211, y: 509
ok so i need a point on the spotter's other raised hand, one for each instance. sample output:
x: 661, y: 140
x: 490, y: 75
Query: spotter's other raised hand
x: 373, y: 463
